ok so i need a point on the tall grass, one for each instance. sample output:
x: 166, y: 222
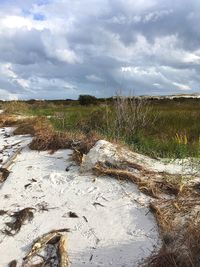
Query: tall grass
x: 161, y: 128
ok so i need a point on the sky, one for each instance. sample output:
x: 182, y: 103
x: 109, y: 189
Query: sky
x: 52, y: 49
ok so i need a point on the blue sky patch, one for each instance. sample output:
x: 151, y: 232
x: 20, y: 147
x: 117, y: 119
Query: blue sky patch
x: 38, y: 17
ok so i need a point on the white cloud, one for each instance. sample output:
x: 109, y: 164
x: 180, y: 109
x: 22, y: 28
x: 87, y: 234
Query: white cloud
x: 191, y: 58
x: 6, y: 95
x: 142, y: 71
x: 137, y: 5
x: 7, y: 70
x: 19, y: 22
x: 60, y: 48
x: 66, y: 55
x: 56, y: 46
x: 181, y: 86
x: 157, y: 84
x: 154, y: 16
x: 53, y: 34
x: 94, y: 78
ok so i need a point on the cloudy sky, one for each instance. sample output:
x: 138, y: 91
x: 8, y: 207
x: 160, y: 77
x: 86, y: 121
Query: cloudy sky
x: 59, y: 49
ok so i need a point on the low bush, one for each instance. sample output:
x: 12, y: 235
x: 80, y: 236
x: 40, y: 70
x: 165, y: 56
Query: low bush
x: 87, y: 100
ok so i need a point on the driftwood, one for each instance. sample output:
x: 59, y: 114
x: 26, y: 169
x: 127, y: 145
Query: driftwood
x: 51, y: 238
x: 62, y: 251
x: 4, y: 170
x: 9, y: 162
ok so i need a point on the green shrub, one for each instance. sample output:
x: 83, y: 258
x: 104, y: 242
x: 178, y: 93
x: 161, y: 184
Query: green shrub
x: 87, y: 100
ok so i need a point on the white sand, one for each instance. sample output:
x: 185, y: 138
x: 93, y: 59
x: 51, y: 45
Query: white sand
x: 119, y: 233
x: 104, y: 151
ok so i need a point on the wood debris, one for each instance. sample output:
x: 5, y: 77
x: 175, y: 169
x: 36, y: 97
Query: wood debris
x: 62, y: 251
x: 13, y: 264
x: 72, y: 214
x: 55, y: 238
x: 4, y: 173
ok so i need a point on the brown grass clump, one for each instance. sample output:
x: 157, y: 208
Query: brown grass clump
x: 7, y: 120
x: 25, y: 127
x: 15, y: 107
x: 163, y: 258
x: 31, y: 125
x: 50, y: 141
x: 46, y: 138
x: 184, y: 254
x: 151, y: 183
x: 179, y: 224
x: 170, y: 211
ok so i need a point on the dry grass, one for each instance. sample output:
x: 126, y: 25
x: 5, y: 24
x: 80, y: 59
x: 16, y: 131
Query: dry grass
x: 151, y: 183
x: 163, y: 258
x: 170, y: 213
x: 15, y: 107
x: 46, y: 138
x: 130, y: 115
x: 184, y: 254
x: 7, y: 120
x: 50, y: 141
x: 179, y: 222
x: 177, y: 216
x: 25, y: 127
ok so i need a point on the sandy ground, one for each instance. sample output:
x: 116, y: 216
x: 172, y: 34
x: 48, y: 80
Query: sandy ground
x: 112, y: 228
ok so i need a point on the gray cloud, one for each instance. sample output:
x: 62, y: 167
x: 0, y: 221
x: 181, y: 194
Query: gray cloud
x: 60, y: 49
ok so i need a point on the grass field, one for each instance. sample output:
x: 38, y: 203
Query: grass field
x: 172, y: 128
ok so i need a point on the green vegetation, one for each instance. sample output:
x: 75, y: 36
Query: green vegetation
x: 166, y: 128
x: 87, y: 99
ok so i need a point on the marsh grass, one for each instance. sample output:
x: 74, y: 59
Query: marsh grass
x: 171, y: 127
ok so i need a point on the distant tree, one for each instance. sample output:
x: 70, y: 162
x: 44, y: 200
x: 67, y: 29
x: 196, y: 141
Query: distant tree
x: 87, y: 99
